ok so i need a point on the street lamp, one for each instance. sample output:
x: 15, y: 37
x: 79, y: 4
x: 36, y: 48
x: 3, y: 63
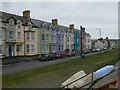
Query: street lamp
x: 100, y: 31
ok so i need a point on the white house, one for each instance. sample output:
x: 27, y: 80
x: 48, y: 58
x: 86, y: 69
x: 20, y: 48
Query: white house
x: 88, y: 41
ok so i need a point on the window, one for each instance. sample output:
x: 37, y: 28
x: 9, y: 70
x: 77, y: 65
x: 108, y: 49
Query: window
x: 27, y: 35
x: 50, y: 37
x: 11, y: 34
x: 32, y: 48
x: 32, y: 36
x: 68, y: 39
x: 27, y: 48
x: 19, y: 24
x: 59, y: 47
x: 1, y: 34
x: 1, y: 49
x: 29, y: 26
x: 47, y: 37
x: 46, y: 48
x: 43, y: 37
x: 18, y: 35
x: 59, y: 38
x: 11, y: 21
x: 62, y: 47
x: 45, y: 26
x: 67, y: 46
x: 62, y: 38
x: 43, y: 47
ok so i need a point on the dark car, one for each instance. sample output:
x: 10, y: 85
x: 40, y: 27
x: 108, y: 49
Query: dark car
x: 70, y: 54
x: 59, y: 55
x: 47, y: 57
x: 86, y: 51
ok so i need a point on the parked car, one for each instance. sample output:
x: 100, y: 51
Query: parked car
x: 86, y: 51
x: 47, y: 57
x: 59, y: 55
x: 94, y: 50
x: 98, y: 49
x: 71, y: 54
x: 104, y: 48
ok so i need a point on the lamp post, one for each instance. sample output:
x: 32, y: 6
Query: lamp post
x: 99, y: 31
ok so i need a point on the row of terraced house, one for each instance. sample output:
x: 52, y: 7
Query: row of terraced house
x: 23, y: 35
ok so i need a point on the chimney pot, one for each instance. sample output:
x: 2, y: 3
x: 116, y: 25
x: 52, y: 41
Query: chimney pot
x: 55, y: 21
x: 26, y: 14
x: 71, y: 26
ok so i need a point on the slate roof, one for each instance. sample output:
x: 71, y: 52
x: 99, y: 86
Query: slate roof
x: 35, y: 22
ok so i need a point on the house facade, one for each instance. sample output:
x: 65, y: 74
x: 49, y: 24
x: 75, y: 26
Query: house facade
x: 88, y: 41
x: 19, y: 36
x: 23, y: 35
x: 76, y: 40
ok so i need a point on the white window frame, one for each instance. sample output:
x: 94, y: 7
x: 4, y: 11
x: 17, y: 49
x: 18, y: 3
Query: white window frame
x: 27, y: 48
x: 11, y: 35
x: 27, y: 35
x: 19, y: 36
x: 32, y: 48
x: 1, y: 34
x: 29, y: 26
x: 32, y: 36
x: 1, y: 49
x: 11, y: 22
x: 19, y: 24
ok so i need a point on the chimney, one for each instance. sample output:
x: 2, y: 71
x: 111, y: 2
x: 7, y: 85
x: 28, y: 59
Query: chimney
x: 55, y: 21
x: 71, y: 26
x: 83, y: 29
x: 26, y: 14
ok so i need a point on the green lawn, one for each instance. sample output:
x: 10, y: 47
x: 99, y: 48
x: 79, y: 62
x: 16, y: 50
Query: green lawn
x: 54, y: 75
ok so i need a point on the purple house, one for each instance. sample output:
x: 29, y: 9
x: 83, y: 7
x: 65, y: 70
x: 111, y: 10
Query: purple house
x: 58, y: 37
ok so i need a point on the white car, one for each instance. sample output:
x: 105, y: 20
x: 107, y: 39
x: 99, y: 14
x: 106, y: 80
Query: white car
x: 98, y: 49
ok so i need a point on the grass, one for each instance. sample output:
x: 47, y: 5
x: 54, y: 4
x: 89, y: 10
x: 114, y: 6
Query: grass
x: 59, y: 72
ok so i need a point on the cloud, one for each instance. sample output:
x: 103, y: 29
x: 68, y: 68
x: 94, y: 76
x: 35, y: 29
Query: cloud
x: 91, y: 15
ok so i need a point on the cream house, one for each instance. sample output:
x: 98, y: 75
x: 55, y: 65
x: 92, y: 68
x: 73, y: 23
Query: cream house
x: 17, y: 30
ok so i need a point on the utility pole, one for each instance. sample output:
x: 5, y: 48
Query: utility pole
x: 81, y: 39
x: 99, y: 31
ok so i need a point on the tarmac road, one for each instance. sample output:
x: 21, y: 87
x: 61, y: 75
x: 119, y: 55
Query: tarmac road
x: 9, y: 69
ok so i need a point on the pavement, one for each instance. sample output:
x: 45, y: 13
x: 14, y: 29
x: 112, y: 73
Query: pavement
x: 13, y: 60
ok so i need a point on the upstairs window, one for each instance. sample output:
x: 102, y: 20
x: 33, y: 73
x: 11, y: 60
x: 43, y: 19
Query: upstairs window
x: 29, y: 26
x: 45, y: 26
x: 59, y: 38
x: 19, y: 25
x: 50, y: 27
x: 27, y: 35
x: 1, y: 34
x: 18, y: 35
x: 1, y: 49
x: 32, y: 36
x: 47, y: 37
x: 11, y: 22
x: 11, y: 34
x: 43, y: 37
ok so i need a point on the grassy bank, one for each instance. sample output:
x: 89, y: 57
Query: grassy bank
x: 54, y: 75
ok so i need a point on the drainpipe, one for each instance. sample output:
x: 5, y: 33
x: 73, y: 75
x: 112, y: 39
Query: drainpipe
x: 24, y: 41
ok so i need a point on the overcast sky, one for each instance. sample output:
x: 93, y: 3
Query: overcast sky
x: 91, y: 15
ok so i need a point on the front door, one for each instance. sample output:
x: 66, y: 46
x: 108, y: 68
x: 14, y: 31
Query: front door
x: 18, y: 50
x: 10, y: 50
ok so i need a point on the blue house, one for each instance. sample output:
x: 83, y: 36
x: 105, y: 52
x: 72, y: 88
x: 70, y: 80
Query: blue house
x: 77, y: 40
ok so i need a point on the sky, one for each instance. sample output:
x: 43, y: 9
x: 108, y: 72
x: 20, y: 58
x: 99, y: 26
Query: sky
x: 91, y: 15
